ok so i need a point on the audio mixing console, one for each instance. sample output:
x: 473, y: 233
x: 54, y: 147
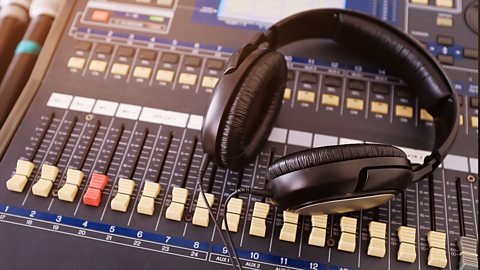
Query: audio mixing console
x: 100, y: 155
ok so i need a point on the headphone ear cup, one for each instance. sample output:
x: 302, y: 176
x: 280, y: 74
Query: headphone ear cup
x: 253, y: 111
x: 329, y: 154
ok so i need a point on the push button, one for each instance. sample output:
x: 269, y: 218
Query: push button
x: 404, y: 111
x: 104, y: 49
x: 474, y: 121
x: 444, y: 3
x: 425, y: 116
x: 306, y: 96
x: 330, y: 100
x: 98, y: 66
x: 444, y: 40
x: 192, y: 61
x: 147, y: 55
x: 170, y: 58
x: 445, y: 59
x: 470, y: 53
x: 287, y: 93
x: 120, y: 69
x: 209, y: 82
x: 308, y: 78
x: 101, y: 16
x: 473, y: 102
x: 356, y: 85
x: 355, y: 104
x: 142, y: 72
x: 125, y: 52
x: 379, y: 107
x: 332, y: 81
x: 381, y: 89
x: 165, y: 75
x: 187, y: 78
x: 83, y: 46
x: 76, y: 62
x: 444, y: 21
x: 215, y: 64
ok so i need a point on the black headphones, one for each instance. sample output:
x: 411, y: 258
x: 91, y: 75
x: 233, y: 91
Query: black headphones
x: 332, y: 179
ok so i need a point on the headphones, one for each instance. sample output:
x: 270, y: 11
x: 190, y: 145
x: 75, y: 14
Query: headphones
x: 332, y: 179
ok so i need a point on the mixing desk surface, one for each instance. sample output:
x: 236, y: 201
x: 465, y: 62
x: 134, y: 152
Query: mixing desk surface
x: 100, y: 155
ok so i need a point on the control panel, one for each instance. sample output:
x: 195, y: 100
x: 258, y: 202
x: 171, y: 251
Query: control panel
x: 100, y: 168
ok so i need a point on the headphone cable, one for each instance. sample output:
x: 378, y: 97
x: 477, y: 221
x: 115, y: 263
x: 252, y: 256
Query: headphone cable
x: 228, y: 242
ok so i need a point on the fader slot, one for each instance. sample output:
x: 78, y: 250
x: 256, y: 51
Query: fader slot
x: 126, y: 186
x: 180, y: 193
x: 25, y: 168
x: 98, y: 181
x: 146, y: 204
x: 49, y: 172
x: 69, y: 190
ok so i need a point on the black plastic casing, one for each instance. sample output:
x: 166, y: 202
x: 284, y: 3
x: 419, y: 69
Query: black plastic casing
x: 341, y: 180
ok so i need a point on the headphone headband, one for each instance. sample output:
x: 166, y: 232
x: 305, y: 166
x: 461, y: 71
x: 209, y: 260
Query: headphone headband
x: 422, y: 73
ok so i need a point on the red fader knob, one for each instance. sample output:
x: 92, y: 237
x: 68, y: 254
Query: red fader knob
x: 94, y: 190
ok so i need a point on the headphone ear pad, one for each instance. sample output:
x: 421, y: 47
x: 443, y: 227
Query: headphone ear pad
x: 253, y: 111
x: 329, y: 154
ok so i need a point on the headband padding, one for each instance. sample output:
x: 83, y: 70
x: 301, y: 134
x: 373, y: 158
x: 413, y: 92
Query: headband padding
x: 329, y: 154
x: 253, y: 112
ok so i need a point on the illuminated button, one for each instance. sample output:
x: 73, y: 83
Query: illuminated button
x: 444, y: 3
x: 142, y: 72
x: 258, y: 225
x: 425, y: 116
x: 407, y: 250
x: 22, y: 173
x: 101, y: 15
x: 403, y: 111
x: 201, y: 215
x: 146, y: 204
x: 234, y: 209
x: 93, y: 195
x: 289, y: 229
x: 170, y: 58
x: 44, y: 185
x: 165, y: 75
x: 319, y: 230
x: 215, y: 64
x: 187, y: 78
x: 70, y: 188
x: 177, y: 206
x: 122, y: 199
x: 97, y: 65
x: 444, y: 21
x: 379, y: 107
x: 348, y: 227
x: 460, y: 119
x: 437, y: 256
x: 287, y: 94
x: 306, y: 96
x: 76, y: 62
x: 422, y: 2
x: 355, y: 104
x: 377, y: 232
x: 209, y: 82
x: 330, y: 100
x: 120, y: 69
x: 474, y: 121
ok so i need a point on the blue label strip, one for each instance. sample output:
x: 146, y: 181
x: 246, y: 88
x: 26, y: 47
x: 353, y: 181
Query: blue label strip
x: 161, y: 239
